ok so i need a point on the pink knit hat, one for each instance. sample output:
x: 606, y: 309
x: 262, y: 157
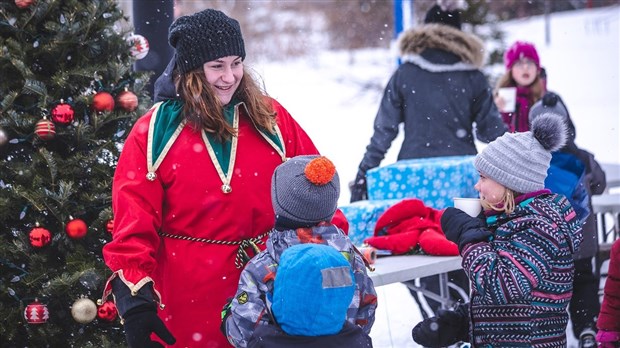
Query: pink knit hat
x: 519, y: 50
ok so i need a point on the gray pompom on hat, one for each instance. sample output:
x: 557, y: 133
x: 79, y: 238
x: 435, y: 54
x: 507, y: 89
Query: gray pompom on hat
x: 305, y: 190
x: 205, y: 36
x: 519, y: 161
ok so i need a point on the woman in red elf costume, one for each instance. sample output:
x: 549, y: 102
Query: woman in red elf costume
x: 191, y: 193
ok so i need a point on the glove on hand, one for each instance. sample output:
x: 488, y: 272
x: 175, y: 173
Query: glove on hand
x: 359, y: 190
x: 463, y: 229
x: 444, y: 329
x: 140, y: 322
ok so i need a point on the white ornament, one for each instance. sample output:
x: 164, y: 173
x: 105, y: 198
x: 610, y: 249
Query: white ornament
x: 139, y: 46
x: 84, y: 311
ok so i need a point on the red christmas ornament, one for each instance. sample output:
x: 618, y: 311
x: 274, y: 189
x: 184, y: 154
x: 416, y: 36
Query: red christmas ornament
x: 110, y: 226
x: 107, y: 311
x: 63, y: 113
x: 45, y: 129
x: 36, y: 313
x: 103, y: 101
x: 39, y: 237
x: 23, y: 3
x: 76, y: 228
x: 127, y: 100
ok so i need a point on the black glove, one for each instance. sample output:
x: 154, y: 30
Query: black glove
x: 140, y: 322
x: 463, y: 229
x: 444, y: 329
x: 359, y: 190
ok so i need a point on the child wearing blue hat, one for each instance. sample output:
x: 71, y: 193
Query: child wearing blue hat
x: 310, y: 283
x: 312, y: 291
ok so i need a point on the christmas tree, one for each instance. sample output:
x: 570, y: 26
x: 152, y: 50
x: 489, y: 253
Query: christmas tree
x: 68, y: 98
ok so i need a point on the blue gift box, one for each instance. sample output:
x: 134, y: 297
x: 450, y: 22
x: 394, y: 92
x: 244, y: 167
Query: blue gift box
x: 363, y: 216
x: 434, y: 180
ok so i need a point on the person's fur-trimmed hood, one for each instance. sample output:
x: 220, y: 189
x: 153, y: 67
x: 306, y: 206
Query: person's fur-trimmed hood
x: 466, y: 46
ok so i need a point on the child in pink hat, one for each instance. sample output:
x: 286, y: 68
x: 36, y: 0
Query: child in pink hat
x: 523, y: 72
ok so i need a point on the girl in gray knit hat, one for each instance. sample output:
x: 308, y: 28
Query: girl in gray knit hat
x: 517, y: 253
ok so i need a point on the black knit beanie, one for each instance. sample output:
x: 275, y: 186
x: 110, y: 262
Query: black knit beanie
x: 205, y: 36
x: 437, y: 15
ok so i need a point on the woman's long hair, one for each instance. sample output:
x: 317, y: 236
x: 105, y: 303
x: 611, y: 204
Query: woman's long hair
x: 537, y: 88
x: 202, y: 108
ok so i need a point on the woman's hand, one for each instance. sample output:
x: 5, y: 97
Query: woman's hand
x: 140, y: 323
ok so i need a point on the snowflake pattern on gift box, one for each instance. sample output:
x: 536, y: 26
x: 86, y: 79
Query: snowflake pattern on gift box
x: 363, y: 216
x: 433, y: 180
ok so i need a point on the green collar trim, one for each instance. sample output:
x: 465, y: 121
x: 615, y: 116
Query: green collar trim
x: 167, y: 123
x: 165, y: 126
x: 222, y: 150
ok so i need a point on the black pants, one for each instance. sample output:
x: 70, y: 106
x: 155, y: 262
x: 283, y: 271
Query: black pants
x: 584, y: 305
x: 458, y: 285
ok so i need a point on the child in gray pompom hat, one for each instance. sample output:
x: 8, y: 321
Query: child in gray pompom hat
x: 304, y: 194
x: 518, y: 255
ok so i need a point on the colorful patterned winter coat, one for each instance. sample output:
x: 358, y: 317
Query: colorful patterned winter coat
x: 256, y: 282
x: 522, y: 279
x: 181, y: 231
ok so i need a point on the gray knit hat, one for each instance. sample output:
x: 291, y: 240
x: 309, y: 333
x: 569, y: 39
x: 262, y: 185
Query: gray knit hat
x: 305, y: 190
x: 550, y: 103
x: 205, y: 36
x: 519, y: 161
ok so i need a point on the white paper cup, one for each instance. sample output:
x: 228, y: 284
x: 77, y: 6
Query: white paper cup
x: 471, y: 206
x: 509, y: 96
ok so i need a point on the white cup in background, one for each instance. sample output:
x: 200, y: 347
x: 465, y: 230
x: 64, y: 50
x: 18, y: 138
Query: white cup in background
x: 471, y: 206
x: 509, y: 96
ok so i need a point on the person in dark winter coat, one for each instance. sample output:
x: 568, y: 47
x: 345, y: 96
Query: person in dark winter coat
x: 608, y: 323
x: 304, y: 191
x: 438, y: 93
x: 575, y: 173
x: 518, y: 254
x: 312, y: 291
x: 443, y: 99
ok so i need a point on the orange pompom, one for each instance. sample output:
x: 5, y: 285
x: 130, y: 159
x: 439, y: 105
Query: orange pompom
x: 320, y: 171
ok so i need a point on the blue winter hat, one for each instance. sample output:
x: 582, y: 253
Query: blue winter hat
x: 313, y: 289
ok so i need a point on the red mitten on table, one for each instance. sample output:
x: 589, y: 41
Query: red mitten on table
x: 408, y: 223
x: 400, y: 243
x: 403, y: 210
x: 434, y: 242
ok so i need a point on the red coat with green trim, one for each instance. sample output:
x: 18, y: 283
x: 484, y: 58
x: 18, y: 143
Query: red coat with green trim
x: 194, y: 278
